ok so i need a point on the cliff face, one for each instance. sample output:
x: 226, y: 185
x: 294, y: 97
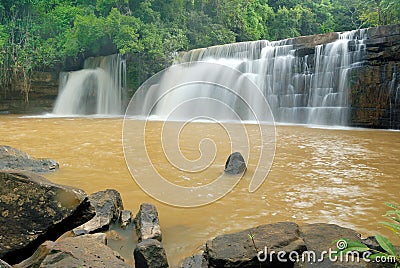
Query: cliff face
x: 41, y: 98
x: 375, y: 86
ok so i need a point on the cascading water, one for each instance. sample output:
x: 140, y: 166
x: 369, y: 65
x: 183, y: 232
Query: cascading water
x: 302, y: 89
x: 96, y: 89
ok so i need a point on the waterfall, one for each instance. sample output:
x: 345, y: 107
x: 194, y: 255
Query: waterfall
x: 96, y: 89
x: 301, y: 88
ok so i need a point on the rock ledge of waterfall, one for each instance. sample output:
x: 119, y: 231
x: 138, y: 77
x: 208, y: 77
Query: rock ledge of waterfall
x: 15, y: 159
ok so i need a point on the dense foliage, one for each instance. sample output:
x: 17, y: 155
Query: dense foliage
x: 52, y: 34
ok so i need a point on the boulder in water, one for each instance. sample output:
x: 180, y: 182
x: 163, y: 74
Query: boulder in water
x: 150, y: 254
x: 147, y: 223
x: 235, y: 164
x: 14, y: 159
x: 34, y: 210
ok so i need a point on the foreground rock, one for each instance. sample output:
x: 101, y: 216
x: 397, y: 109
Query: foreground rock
x: 150, y: 254
x: 82, y: 251
x: 147, y: 223
x: 310, y: 245
x: 235, y: 164
x: 12, y: 158
x: 108, y: 206
x: 320, y: 237
x: 34, y: 210
x: 241, y: 249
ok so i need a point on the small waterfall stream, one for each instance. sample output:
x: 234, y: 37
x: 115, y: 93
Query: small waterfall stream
x: 301, y: 89
x: 96, y: 89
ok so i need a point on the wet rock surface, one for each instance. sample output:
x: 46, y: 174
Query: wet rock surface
x: 15, y: 159
x: 108, y: 206
x: 147, y: 223
x: 34, y: 210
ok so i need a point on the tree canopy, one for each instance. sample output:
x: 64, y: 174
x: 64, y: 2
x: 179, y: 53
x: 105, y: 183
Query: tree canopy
x: 50, y: 34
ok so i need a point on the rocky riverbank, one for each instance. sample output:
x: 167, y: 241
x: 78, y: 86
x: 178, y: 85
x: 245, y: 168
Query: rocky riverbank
x: 44, y: 224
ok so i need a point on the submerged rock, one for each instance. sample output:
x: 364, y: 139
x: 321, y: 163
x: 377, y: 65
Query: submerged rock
x: 150, y: 254
x: 235, y: 164
x: 147, y: 223
x: 83, y: 251
x: 108, y: 206
x: 34, y: 210
x: 14, y: 159
x: 241, y: 249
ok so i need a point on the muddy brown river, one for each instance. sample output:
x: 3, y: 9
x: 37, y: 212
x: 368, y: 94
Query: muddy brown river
x: 340, y: 176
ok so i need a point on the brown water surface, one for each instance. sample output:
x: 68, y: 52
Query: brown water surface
x: 318, y: 175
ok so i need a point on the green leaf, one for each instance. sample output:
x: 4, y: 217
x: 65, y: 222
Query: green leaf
x: 386, y: 244
x: 391, y: 205
x: 377, y: 255
x: 393, y: 226
x: 359, y: 249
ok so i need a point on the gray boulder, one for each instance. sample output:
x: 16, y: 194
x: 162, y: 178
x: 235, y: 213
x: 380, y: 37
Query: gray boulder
x: 242, y: 249
x: 82, y: 251
x: 147, y: 223
x: 14, y: 159
x: 34, y: 210
x: 235, y: 164
x: 150, y: 254
x: 108, y: 206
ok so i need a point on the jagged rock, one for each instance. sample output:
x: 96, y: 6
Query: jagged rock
x: 82, y: 251
x: 150, y: 254
x: 14, y: 159
x: 125, y: 218
x: 34, y: 210
x: 3, y: 264
x: 147, y: 223
x: 108, y: 206
x: 238, y: 249
x: 235, y: 164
